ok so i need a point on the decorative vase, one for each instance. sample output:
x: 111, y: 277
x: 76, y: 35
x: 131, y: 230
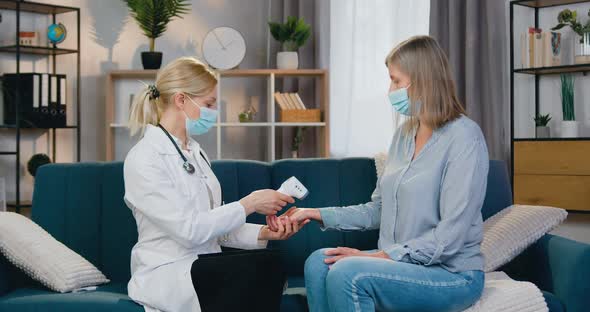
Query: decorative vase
x: 543, y: 132
x: 151, y: 60
x: 295, y: 154
x: 582, y: 49
x: 569, y: 129
x: 287, y: 60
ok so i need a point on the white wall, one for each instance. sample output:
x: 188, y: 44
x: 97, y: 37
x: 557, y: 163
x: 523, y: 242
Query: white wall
x: 549, y: 86
x: 109, y: 40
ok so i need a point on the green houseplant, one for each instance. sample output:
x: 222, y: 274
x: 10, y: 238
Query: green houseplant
x: 292, y: 35
x: 569, y: 18
x: 569, y: 125
x: 541, y: 129
x: 297, y: 141
x: 153, y: 17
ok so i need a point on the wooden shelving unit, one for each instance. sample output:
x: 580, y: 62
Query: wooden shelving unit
x: 548, y: 171
x: 272, y: 124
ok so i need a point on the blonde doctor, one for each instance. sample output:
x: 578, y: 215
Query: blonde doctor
x: 176, y: 201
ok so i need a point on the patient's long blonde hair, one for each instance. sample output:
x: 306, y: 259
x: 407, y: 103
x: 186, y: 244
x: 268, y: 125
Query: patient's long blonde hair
x: 183, y: 75
x: 424, y: 61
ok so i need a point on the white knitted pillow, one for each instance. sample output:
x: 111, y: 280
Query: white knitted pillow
x: 510, y: 231
x: 380, y: 160
x: 39, y: 255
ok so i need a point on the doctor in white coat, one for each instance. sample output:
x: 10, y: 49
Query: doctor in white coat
x: 175, y: 196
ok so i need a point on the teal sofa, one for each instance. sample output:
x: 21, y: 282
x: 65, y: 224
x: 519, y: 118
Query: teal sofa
x: 82, y: 206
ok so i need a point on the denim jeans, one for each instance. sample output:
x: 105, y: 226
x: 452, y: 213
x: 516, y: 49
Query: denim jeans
x: 374, y: 284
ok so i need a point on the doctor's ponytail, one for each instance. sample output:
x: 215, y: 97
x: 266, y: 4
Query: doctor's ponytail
x: 144, y: 111
x: 183, y: 75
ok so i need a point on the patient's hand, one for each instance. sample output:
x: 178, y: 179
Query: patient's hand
x: 302, y: 214
x: 285, y: 228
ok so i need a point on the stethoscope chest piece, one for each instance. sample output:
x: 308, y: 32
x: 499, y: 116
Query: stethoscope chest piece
x: 188, y: 167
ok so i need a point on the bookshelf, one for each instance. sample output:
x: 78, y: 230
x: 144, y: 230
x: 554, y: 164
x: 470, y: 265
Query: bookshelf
x: 547, y: 171
x: 52, y: 51
x: 272, y: 123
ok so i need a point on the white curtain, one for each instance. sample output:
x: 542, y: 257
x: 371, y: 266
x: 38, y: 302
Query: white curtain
x: 361, y: 35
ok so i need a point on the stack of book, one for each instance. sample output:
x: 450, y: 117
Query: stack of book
x: 293, y: 109
x: 540, y: 49
x: 289, y: 101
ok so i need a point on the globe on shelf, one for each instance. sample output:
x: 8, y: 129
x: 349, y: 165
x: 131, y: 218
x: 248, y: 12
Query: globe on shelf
x: 56, y: 33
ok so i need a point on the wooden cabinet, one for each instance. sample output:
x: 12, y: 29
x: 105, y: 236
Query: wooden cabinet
x: 552, y: 173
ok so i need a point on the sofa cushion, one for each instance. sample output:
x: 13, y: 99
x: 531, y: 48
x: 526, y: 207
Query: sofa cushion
x: 68, y: 201
x: 111, y: 297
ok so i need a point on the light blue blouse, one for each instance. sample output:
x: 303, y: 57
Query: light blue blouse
x: 428, y: 210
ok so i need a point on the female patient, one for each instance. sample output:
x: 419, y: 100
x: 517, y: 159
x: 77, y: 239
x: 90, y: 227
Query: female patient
x: 427, y: 204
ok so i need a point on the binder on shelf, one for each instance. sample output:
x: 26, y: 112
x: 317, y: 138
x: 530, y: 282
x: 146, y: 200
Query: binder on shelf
x: 28, y: 87
x: 61, y: 101
x: 42, y: 100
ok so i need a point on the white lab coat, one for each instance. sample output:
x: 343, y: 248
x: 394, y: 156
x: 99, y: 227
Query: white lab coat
x: 178, y: 216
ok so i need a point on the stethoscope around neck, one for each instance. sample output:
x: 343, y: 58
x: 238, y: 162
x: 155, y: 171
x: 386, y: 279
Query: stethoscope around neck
x: 187, y: 166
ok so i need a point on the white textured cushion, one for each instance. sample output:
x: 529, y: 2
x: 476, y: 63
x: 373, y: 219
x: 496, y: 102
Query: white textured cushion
x: 510, y: 231
x: 39, y: 255
x: 380, y: 160
x: 501, y: 293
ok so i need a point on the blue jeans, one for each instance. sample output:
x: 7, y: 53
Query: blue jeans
x: 373, y: 284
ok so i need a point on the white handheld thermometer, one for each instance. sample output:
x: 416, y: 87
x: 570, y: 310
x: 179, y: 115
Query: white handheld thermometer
x: 294, y: 188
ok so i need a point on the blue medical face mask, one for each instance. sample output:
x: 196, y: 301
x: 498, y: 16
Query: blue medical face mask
x: 401, y: 102
x: 204, y: 123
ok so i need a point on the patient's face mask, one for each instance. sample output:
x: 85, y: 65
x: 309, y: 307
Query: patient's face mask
x: 400, y: 101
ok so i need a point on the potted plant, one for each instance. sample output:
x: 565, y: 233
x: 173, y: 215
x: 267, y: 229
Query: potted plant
x: 570, y: 18
x: 541, y: 129
x: 292, y: 35
x: 153, y: 17
x: 37, y: 161
x: 297, y: 141
x: 569, y: 125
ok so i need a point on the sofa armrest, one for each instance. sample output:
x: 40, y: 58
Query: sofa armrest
x: 557, y: 265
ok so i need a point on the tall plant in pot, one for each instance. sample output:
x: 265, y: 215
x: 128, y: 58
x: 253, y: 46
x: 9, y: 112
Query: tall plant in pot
x: 541, y: 129
x: 292, y: 35
x: 153, y: 17
x: 569, y: 125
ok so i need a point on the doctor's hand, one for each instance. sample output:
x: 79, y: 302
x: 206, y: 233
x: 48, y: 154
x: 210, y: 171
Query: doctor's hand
x: 286, y: 228
x: 265, y: 202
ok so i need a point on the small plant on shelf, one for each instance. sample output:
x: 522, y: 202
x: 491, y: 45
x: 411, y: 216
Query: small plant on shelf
x: 541, y: 129
x: 542, y: 120
x: 297, y: 141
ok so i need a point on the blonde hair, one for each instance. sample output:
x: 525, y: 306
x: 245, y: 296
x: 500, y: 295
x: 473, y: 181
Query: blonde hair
x: 424, y: 61
x: 183, y: 75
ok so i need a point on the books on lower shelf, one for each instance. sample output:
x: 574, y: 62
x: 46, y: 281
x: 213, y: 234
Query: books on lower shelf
x: 540, y: 48
x: 289, y: 101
